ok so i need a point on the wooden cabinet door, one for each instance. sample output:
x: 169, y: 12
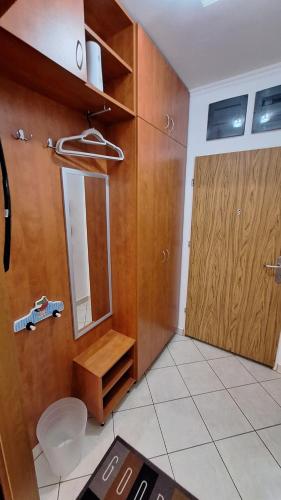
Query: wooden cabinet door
x: 180, y: 111
x: 162, y: 97
x: 153, y: 162
x: 175, y: 199
x: 153, y: 87
x: 54, y: 27
x: 234, y: 301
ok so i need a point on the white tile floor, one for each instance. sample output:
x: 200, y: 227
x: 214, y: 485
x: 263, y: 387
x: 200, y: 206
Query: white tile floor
x: 208, y: 418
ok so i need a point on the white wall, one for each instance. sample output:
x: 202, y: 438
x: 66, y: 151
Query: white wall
x: 201, y: 97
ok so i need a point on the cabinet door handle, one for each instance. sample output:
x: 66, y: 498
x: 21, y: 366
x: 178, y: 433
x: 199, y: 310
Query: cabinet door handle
x: 168, y: 253
x: 173, y: 125
x: 167, y: 126
x: 79, y: 54
x: 163, y: 253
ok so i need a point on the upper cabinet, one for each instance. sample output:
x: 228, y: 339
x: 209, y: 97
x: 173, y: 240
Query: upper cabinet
x: 54, y: 27
x: 162, y: 97
x: 43, y: 47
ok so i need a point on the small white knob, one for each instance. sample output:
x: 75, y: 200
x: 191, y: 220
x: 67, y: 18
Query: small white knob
x: 56, y: 314
x: 30, y: 326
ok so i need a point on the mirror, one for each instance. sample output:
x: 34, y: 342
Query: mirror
x: 86, y: 203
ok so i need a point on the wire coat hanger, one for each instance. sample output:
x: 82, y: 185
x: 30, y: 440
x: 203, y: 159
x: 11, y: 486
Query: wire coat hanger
x: 83, y: 139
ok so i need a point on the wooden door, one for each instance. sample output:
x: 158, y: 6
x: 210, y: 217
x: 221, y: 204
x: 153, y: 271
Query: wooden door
x: 233, y: 300
x: 55, y: 28
x: 152, y: 193
x: 162, y: 97
x: 176, y: 187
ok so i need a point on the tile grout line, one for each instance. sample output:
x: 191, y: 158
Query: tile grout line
x: 230, y: 476
x: 167, y: 454
x: 254, y: 430
x: 78, y: 477
x: 58, y: 491
x: 34, y: 460
x: 260, y: 381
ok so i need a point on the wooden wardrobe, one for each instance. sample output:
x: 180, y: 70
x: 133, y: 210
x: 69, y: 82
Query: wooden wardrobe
x: 150, y: 217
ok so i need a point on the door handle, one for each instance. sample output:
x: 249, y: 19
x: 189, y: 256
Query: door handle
x: 79, y: 55
x: 277, y: 267
x: 167, y: 253
x: 163, y: 260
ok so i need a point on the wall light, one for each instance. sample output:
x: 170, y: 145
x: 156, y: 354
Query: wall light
x: 265, y: 118
x: 238, y: 123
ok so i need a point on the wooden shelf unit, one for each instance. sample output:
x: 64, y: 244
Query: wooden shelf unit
x: 108, y: 25
x: 115, y: 32
x: 111, y: 18
x: 112, y: 64
x: 28, y: 67
x: 103, y: 373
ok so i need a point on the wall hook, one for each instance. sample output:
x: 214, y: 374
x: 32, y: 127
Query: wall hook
x: 20, y: 135
x: 42, y: 309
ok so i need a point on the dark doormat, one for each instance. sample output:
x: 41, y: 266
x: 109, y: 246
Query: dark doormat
x: 124, y: 473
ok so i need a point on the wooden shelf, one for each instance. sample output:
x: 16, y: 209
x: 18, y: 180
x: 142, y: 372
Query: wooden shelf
x: 118, y: 392
x: 106, y: 17
x: 115, y: 374
x: 103, y: 373
x: 101, y: 356
x: 113, y: 65
x: 29, y: 67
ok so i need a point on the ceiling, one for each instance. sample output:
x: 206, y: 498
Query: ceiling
x: 206, y: 44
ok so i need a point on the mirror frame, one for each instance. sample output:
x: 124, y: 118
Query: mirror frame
x: 66, y: 171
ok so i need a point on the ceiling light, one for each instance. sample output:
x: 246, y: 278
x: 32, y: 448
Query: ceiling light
x: 205, y: 3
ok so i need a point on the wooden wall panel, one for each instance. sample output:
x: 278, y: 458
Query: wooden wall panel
x: 17, y: 474
x: 39, y: 257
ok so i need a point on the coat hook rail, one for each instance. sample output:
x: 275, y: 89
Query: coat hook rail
x: 20, y: 135
x: 91, y: 114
